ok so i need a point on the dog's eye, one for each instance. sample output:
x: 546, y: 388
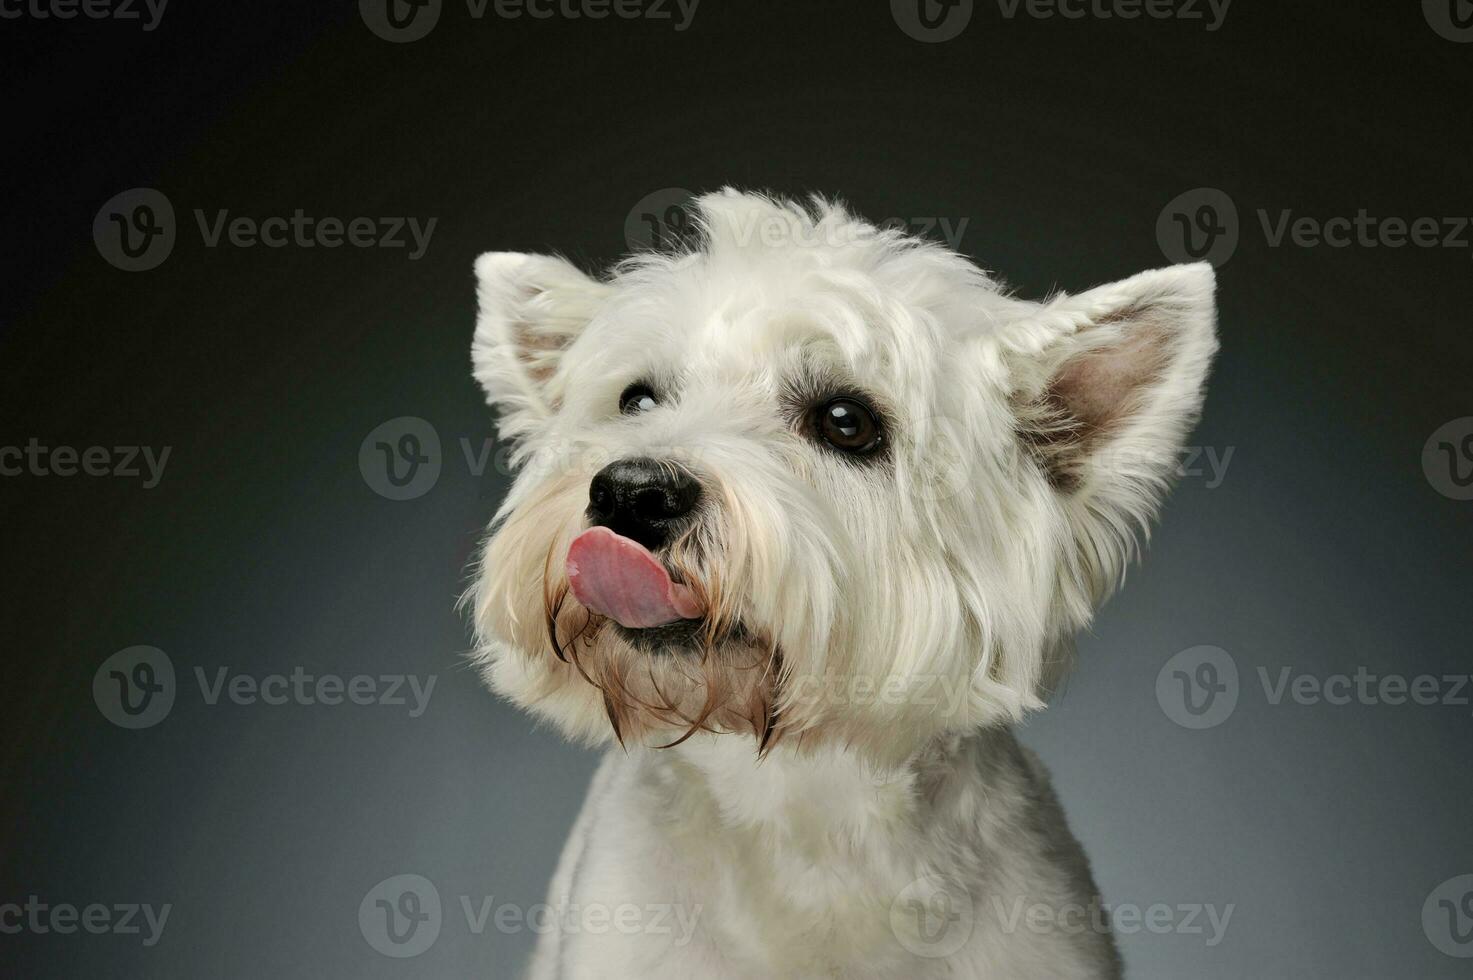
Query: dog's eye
x: 637, y: 398
x: 849, y: 426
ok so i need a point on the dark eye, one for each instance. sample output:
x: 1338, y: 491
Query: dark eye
x: 637, y: 398
x: 849, y: 426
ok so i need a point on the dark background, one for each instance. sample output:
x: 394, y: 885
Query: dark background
x: 263, y: 548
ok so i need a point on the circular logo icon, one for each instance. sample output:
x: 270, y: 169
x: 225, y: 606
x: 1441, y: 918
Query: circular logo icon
x: 1198, y: 688
x: 400, y: 459
x: 1447, y: 459
x: 943, y: 470
x: 661, y: 220
x: 135, y: 230
x: 1200, y: 225
x: 1447, y: 917
x: 932, y: 21
x: 400, y: 916
x: 134, y: 688
x: 933, y: 916
x: 400, y: 21
x: 1451, y: 19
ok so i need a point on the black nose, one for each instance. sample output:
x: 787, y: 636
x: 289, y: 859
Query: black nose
x: 642, y: 499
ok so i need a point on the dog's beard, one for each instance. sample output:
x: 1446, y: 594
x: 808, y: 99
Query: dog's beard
x: 711, y: 676
x: 659, y: 686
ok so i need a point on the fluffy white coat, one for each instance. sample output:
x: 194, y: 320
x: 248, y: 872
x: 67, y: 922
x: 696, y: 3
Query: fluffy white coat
x: 846, y: 798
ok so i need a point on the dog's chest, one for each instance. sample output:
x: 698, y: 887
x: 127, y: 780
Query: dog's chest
x: 814, y: 869
x: 793, y: 874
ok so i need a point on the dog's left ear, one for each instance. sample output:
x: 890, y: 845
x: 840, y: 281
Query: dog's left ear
x: 1107, y: 384
x: 530, y: 308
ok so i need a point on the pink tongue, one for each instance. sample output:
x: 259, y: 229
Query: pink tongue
x: 619, y: 578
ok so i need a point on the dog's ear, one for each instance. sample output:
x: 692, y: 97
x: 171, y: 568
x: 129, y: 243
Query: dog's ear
x: 530, y: 308
x: 1107, y: 384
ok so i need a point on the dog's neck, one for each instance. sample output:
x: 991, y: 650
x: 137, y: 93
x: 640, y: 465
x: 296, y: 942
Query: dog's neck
x: 805, y: 853
x: 836, y: 794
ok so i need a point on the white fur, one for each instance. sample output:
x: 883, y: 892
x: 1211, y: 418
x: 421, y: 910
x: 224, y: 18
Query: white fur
x: 909, y: 609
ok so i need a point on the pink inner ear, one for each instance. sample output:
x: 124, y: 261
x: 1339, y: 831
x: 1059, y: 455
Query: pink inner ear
x: 1100, y: 386
x: 533, y: 349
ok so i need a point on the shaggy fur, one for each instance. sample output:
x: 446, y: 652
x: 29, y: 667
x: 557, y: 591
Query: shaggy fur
x: 835, y: 746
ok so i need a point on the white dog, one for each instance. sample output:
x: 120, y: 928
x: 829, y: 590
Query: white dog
x: 806, y: 516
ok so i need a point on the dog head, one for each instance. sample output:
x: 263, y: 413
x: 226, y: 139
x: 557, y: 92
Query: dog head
x: 811, y: 480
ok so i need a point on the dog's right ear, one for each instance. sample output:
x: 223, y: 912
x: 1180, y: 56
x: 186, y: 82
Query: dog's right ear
x: 529, y: 309
x: 1107, y: 384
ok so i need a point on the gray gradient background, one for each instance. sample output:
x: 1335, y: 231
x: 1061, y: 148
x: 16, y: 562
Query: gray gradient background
x: 263, y: 549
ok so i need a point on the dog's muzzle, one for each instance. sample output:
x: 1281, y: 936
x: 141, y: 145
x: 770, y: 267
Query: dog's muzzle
x: 643, y: 499
x: 635, y: 506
